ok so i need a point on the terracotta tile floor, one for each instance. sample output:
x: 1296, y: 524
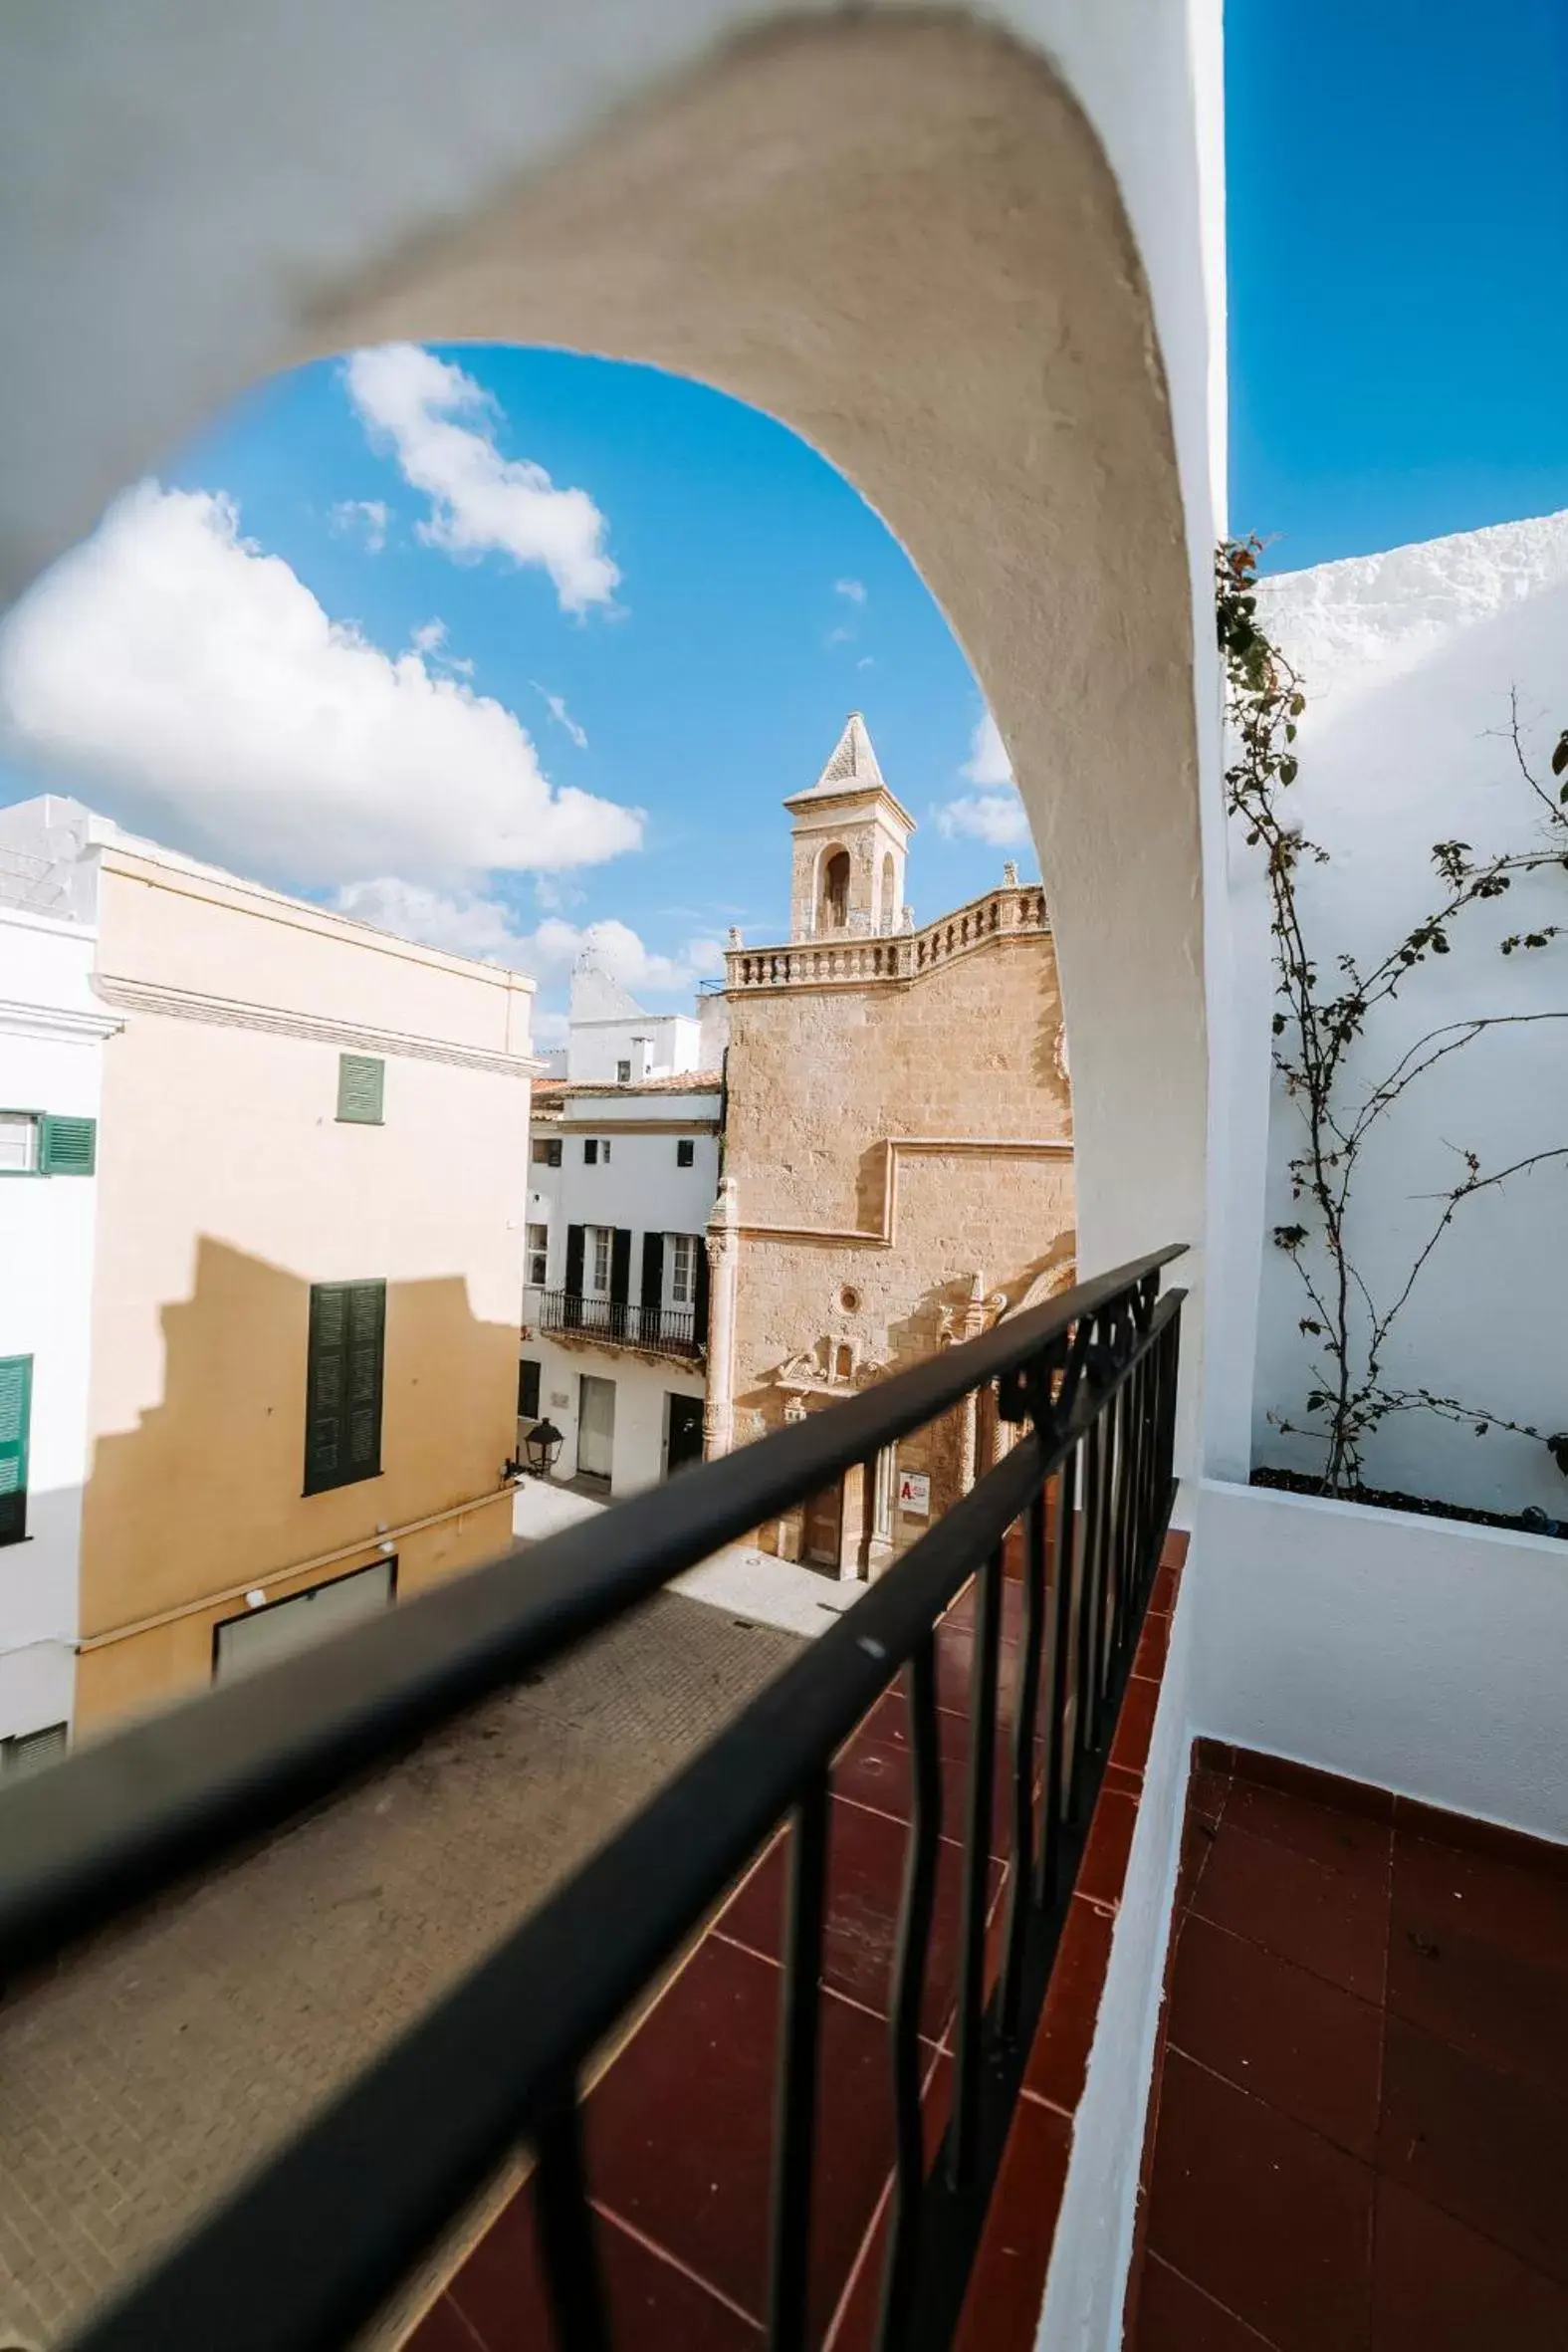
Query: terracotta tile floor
x: 1360, y: 2129
x: 679, y: 2127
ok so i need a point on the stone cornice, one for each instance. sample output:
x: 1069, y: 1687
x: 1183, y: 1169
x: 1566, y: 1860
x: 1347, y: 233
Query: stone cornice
x: 56, y: 1023
x: 177, y: 1004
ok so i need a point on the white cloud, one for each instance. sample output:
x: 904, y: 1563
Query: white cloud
x: 556, y: 704
x: 555, y: 946
x: 994, y: 814
x: 996, y: 817
x: 465, y: 923
x: 480, y: 502
x: 988, y: 761
x: 429, y: 636
x: 468, y: 923
x: 362, y: 518
x: 202, y: 679
x: 854, y: 590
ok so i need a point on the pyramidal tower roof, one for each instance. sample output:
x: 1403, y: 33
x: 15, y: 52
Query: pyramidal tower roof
x: 851, y: 768
x: 854, y: 766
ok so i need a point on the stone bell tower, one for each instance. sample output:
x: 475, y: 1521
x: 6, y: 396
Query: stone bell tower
x: 851, y: 840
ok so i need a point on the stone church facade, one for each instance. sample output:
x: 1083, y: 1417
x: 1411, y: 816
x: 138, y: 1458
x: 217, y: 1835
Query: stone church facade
x: 898, y: 1155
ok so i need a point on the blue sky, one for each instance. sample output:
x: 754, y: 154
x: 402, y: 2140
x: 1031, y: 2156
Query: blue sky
x: 1398, y: 218
x: 682, y: 645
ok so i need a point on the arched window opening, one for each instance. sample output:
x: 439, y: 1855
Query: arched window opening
x: 835, y: 891
x: 889, y: 891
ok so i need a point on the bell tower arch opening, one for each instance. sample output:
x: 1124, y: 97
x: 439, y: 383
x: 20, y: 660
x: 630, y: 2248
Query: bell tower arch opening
x: 851, y: 841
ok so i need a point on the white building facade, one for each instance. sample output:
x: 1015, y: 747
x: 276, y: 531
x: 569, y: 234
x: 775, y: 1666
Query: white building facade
x: 621, y: 1182
x: 51, y: 1033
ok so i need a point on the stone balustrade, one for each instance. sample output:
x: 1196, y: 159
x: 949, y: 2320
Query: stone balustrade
x: 847, y: 962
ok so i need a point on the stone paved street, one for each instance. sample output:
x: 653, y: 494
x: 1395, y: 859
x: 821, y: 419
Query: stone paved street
x: 138, y: 2083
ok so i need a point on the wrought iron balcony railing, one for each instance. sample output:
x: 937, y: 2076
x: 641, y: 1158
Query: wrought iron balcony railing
x: 305, y: 2252
x: 622, y: 1322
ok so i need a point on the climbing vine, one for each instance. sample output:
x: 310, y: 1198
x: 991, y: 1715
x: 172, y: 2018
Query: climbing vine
x: 1321, y: 1019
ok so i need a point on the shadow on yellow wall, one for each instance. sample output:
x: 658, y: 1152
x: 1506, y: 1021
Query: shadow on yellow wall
x: 206, y: 1495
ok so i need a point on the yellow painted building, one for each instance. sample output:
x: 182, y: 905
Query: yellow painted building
x: 307, y: 1276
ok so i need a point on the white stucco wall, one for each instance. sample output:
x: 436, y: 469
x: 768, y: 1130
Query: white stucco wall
x: 654, y: 1045
x: 643, y: 1388
x: 50, y: 1060
x: 643, y: 1189
x: 1409, y: 659
x: 1422, y: 1655
x: 236, y: 167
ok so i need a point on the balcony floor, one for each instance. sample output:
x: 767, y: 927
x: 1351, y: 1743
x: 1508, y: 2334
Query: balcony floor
x: 1359, y: 2134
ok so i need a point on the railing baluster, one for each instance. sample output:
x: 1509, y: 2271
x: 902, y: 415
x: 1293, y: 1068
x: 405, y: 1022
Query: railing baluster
x: 1067, y: 1553
x: 794, y: 2106
x: 909, y: 1985
x: 569, y: 2246
x: 1025, y: 1716
x: 977, y: 1873
x: 1087, y: 1706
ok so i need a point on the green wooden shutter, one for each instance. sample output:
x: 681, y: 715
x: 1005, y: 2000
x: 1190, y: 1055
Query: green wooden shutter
x: 16, y: 1401
x: 528, y: 1388
x: 69, y: 1147
x: 361, y: 1079
x: 367, y: 1347
x: 343, y: 1406
x: 325, y: 1385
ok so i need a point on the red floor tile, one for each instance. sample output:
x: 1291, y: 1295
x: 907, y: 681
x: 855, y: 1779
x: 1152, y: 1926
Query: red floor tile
x: 1347, y: 1842
x: 1176, y: 2317
x: 499, y: 2292
x: 955, y: 1655
x: 680, y: 2129
x: 1478, y: 1957
x: 1270, y: 2218
x: 855, y: 2324
x: 1153, y: 1643
x: 1438, y: 2286
x: 1305, y: 2046
x: 1135, y: 1724
x: 1207, y: 1791
x: 1487, y: 2148
x: 1278, y: 1896
x: 1058, y: 2059
x: 1537, y: 1857
x: 1306, y: 1780
x: 443, y: 2329
x: 865, y: 1878
x: 877, y: 1768
x: 1002, y: 2301
x: 1103, y: 1870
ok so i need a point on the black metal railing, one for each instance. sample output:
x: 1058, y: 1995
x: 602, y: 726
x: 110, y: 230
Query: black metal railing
x: 310, y: 2245
x: 622, y: 1322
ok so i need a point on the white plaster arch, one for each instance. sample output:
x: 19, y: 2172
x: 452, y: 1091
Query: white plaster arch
x: 899, y: 235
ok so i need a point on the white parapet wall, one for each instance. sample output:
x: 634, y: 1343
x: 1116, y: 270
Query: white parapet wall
x: 1086, y: 2283
x: 1425, y: 1655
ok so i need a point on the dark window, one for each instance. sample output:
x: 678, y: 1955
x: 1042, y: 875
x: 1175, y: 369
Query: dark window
x: 528, y: 1389
x: 29, y: 1752
x: 590, y: 1152
x: 547, y: 1151
x: 361, y: 1081
x: 685, y: 1153
x: 16, y: 1403
x: 343, y: 1384
x: 623, y: 1073
x: 835, y: 891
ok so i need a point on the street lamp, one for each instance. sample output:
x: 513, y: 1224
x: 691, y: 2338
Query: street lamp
x: 544, y: 1442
